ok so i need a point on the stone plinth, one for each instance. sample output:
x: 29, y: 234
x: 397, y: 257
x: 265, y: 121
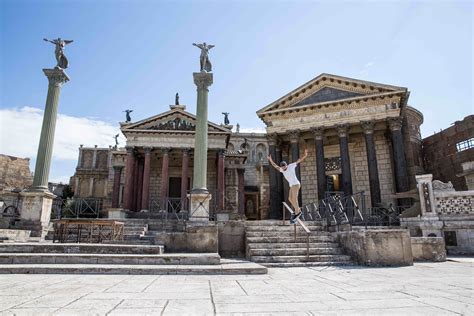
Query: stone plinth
x: 36, y: 210
x: 199, y: 207
x: 428, y: 249
x: 116, y: 213
x: 196, y: 238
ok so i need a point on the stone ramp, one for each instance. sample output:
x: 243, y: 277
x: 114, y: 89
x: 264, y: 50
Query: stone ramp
x: 225, y: 267
x: 273, y: 244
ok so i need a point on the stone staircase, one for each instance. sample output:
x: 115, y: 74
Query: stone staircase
x: 273, y: 244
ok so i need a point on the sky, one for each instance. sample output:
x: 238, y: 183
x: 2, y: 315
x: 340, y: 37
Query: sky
x: 138, y: 54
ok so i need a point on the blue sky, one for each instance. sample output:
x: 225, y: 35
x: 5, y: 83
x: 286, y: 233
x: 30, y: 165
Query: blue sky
x: 138, y: 54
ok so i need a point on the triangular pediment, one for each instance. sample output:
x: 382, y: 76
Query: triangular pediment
x: 327, y: 88
x: 176, y: 120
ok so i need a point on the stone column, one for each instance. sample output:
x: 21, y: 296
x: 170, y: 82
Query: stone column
x: 241, y: 191
x: 400, y: 164
x: 295, y: 155
x: 76, y: 186
x: 79, y: 161
x: 374, y: 183
x: 220, y: 180
x: 135, y: 185
x: 320, y: 164
x: 275, y: 206
x: 56, y: 78
x: 94, y: 157
x: 140, y: 169
x: 199, y: 208
x: 184, y: 179
x: 128, y: 194
x: 345, y: 161
x: 146, y: 179
x: 116, y: 188
x: 164, y: 178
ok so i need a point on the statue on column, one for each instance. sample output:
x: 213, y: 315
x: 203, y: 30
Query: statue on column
x: 226, y: 118
x: 176, y: 99
x: 204, y: 58
x: 128, y: 119
x: 116, y: 140
x: 59, y: 52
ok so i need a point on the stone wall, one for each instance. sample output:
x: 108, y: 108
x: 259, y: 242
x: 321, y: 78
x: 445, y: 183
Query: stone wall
x: 14, y: 172
x: 428, y: 249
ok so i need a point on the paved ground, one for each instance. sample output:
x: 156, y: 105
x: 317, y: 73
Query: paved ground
x: 424, y: 289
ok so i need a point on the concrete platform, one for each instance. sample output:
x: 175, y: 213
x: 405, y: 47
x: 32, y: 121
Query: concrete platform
x: 226, y: 266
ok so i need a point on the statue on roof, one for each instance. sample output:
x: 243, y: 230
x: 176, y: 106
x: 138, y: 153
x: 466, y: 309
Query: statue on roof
x: 238, y: 128
x: 59, y: 51
x: 176, y: 99
x: 226, y: 118
x: 128, y: 119
x: 116, y: 140
x: 205, y: 63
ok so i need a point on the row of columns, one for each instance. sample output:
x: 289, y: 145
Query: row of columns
x: 400, y: 167
x: 137, y: 180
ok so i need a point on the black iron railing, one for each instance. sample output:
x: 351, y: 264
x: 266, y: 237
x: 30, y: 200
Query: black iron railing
x: 77, y: 208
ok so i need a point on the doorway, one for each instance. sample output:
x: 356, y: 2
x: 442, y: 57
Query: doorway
x: 333, y: 182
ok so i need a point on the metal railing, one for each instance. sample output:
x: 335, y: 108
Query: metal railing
x: 300, y: 222
x: 10, y: 206
x: 77, y: 208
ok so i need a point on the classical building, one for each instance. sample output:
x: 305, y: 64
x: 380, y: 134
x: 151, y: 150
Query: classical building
x: 154, y: 170
x: 360, y: 135
x: 449, y: 154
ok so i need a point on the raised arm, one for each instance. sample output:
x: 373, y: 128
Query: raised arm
x: 269, y: 157
x: 303, y: 157
x: 47, y: 40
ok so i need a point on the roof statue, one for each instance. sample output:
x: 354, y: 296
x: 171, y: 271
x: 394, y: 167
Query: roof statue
x: 226, y: 118
x: 59, y: 51
x: 176, y: 99
x: 128, y: 119
x: 116, y: 140
x: 206, y: 65
x: 238, y: 128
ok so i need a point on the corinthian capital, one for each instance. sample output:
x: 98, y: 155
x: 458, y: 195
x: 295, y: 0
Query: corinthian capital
x: 272, y: 139
x: 294, y: 135
x: 342, y: 130
x: 56, y: 77
x: 202, y: 80
x: 318, y: 132
x: 368, y: 127
x: 395, y: 123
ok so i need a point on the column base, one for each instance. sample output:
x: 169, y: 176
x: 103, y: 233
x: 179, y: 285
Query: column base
x: 36, y: 210
x: 199, y: 205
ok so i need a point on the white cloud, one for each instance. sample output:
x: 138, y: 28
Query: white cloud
x: 21, y: 128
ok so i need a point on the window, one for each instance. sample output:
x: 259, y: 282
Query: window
x: 465, y: 144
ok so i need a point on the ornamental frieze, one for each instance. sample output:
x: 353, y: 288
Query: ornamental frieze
x: 176, y: 124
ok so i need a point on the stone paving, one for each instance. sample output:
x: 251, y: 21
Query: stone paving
x: 423, y: 289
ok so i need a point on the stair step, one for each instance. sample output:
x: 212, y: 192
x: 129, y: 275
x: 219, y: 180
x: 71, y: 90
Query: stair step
x: 129, y: 259
x: 299, y: 239
x: 291, y: 245
x: 282, y: 228
x: 305, y: 264
x: 314, y: 258
x: 284, y: 233
x: 279, y: 222
x: 294, y: 251
x: 103, y: 248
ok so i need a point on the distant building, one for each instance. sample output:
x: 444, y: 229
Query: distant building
x: 449, y: 154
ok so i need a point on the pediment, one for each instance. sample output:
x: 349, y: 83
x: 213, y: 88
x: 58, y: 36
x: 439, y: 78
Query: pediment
x: 327, y: 88
x: 175, y: 120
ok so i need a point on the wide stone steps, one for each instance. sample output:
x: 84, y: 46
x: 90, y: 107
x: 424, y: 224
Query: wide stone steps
x: 288, y: 239
x: 285, y: 234
x: 128, y: 259
x: 301, y: 258
x: 286, y: 228
x: 305, y: 264
x: 294, y: 251
x: 291, y: 245
x: 80, y: 248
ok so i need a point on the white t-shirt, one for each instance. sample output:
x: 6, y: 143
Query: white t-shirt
x: 290, y: 174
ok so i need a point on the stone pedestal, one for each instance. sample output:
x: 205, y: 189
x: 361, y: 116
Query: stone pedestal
x: 199, y: 207
x: 36, y: 211
x: 116, y: 213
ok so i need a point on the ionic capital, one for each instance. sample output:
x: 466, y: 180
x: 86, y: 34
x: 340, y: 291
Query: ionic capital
x: 342, y: 130
x: 368, y: 127
x: 395, y: 123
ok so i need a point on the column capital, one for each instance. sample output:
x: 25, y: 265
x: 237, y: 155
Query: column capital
x: 368, y: 127
x: 147, y: 150
x: 221, y: 152
x: 342, y: 130
x: 318, y: 132
x: 118, y: 168
x: 130, y: 149
x: 202, y: 80
x: 240, y: 171
x: 395, y: 123
x: 294, y: 135
x: 56, y: 77
x: 185, y: 151
x: 166, y: 150
x: 272, y: 139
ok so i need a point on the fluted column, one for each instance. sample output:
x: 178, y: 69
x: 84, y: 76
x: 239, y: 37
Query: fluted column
x: 320, y: 164
x: 241, y: 189
x: 164, y: 178
x: 342, y: 131
x: 401, y: 173
x: 375, y: 197
x: 220, y: 180
x: 140, y: 169
x: 128, y: 194
x: 295, y: 155
x: 146, y: 179
x: 116, y: 188
x: 56, y: 78
x: 275, y: 206
x: 184, y: 179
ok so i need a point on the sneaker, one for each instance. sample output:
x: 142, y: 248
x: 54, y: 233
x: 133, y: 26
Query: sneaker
x: 298, y: 215
x: 292, y: 218
x: 293, y: 221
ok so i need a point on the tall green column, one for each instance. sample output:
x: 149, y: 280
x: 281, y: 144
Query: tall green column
x: 203, y: 81
x: 56, y: 77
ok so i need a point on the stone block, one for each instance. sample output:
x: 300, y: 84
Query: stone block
x: 378, y: 247
x: 232, y: 239
x: 428, y: 249
x: 198, y: 238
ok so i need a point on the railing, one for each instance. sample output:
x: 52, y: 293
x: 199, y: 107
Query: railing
x: 300, y: 222
x: 10, y: 206
x: 89, y: 231
x: 77, y: 208
x: 384, y: 216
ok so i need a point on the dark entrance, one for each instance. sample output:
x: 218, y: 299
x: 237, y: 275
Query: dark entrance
x: 333, y: 183
x: 174, y: 194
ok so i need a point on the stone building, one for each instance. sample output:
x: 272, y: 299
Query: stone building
x: 449, y: 154
x: 360, y: 135
x: 161, y: 147
x: 14, y: 173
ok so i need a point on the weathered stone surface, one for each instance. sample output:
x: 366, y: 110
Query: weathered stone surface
x: 232, y: 239
x: 203, y: 239
x: 378, y: 247
x: 428, y: 249
x: 14, y: 172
